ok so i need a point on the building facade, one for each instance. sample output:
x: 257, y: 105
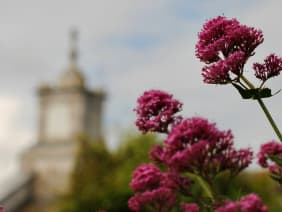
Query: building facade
x: 66, y: 110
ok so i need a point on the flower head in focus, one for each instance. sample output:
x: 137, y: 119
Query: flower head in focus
x: 225, y: 46
x: 221, y: 72
x: 271, y: 67
x: 156, y: 111
x: 192, y: 130
x: 214, y: 39
x: 195, y: 145
x: 220, y: 37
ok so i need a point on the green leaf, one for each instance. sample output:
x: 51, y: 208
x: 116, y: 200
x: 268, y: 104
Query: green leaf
x: 245, y: 93
x: 263, y: 93
x: 276, y: 159
x: 254, y: 93
x: 276, y: 178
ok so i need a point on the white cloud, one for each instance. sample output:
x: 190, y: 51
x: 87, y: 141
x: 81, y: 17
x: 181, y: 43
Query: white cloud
x: 13, y: 136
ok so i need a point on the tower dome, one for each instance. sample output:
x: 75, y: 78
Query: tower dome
x: 72, y: 76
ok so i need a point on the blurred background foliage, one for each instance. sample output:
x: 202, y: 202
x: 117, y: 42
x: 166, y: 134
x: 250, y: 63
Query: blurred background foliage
x: 258, y: 182
x: 100, y: 179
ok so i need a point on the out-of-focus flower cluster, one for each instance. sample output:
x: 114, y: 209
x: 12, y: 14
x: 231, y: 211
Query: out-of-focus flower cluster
x: 268, y: 150
x: 225, y: 46
x: 156, y: 110
x: 190, y: 207
x: 249, y: 203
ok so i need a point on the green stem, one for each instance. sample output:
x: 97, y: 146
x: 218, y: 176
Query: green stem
x: 205, y: 187
x: 270, y: 119
x: 265, y: 110
x: 250, y: 85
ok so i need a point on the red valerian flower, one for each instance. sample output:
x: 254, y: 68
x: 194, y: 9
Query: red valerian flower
x: 214, y: 39
x: 156, y: 111
x: 161, y: 199
x: 248, y: 203
x: 156, y: 189
x: 270, y: 148
x: 245, y: 39
x: 196, y: 145
x: 225, y: 45
x: 176, y: 182
x: 192, y: 130
x: 221, y: 37
x: 190, y: 207
x: 275, y: 170
x: 237, y: 160
x: 217, y: 73
x: 271, y: 67
x: 156, y: 153
x: 220, y: 72
x: 146, y: 177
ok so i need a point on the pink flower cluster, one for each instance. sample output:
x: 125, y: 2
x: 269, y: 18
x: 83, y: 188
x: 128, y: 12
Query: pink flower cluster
x: 225, y: 45
x: 197, y: 146
x: 193, y: 145
x: 146, y: 177
x: 190, y: 207
x: 271, y: 148
x: 226, y: 36
x: 161, y: 199
x: 156, y: 111
x: 267, y: 149
x: 249, y: 203
x: 219, y: 72
x: 271, y: 67
x: 156, y: 189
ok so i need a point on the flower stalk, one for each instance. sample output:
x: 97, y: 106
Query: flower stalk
x: 265, y: 110
x: 195, y: 150
x: 270, y: 119
x: 205, y: 187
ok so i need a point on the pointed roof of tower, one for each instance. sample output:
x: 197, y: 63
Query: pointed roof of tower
x: 72, y: 76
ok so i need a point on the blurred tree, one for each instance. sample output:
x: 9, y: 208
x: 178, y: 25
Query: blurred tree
x: 100, y: 178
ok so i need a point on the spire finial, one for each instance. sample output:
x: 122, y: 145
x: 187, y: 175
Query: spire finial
x: 73, y: 46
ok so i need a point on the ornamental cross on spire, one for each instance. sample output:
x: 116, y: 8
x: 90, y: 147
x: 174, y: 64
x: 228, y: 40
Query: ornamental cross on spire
x: 73, y: 46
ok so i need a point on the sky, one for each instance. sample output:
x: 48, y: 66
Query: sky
x: 126, y: 47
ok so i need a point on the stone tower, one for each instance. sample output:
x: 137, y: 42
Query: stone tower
x: 65, y: 110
